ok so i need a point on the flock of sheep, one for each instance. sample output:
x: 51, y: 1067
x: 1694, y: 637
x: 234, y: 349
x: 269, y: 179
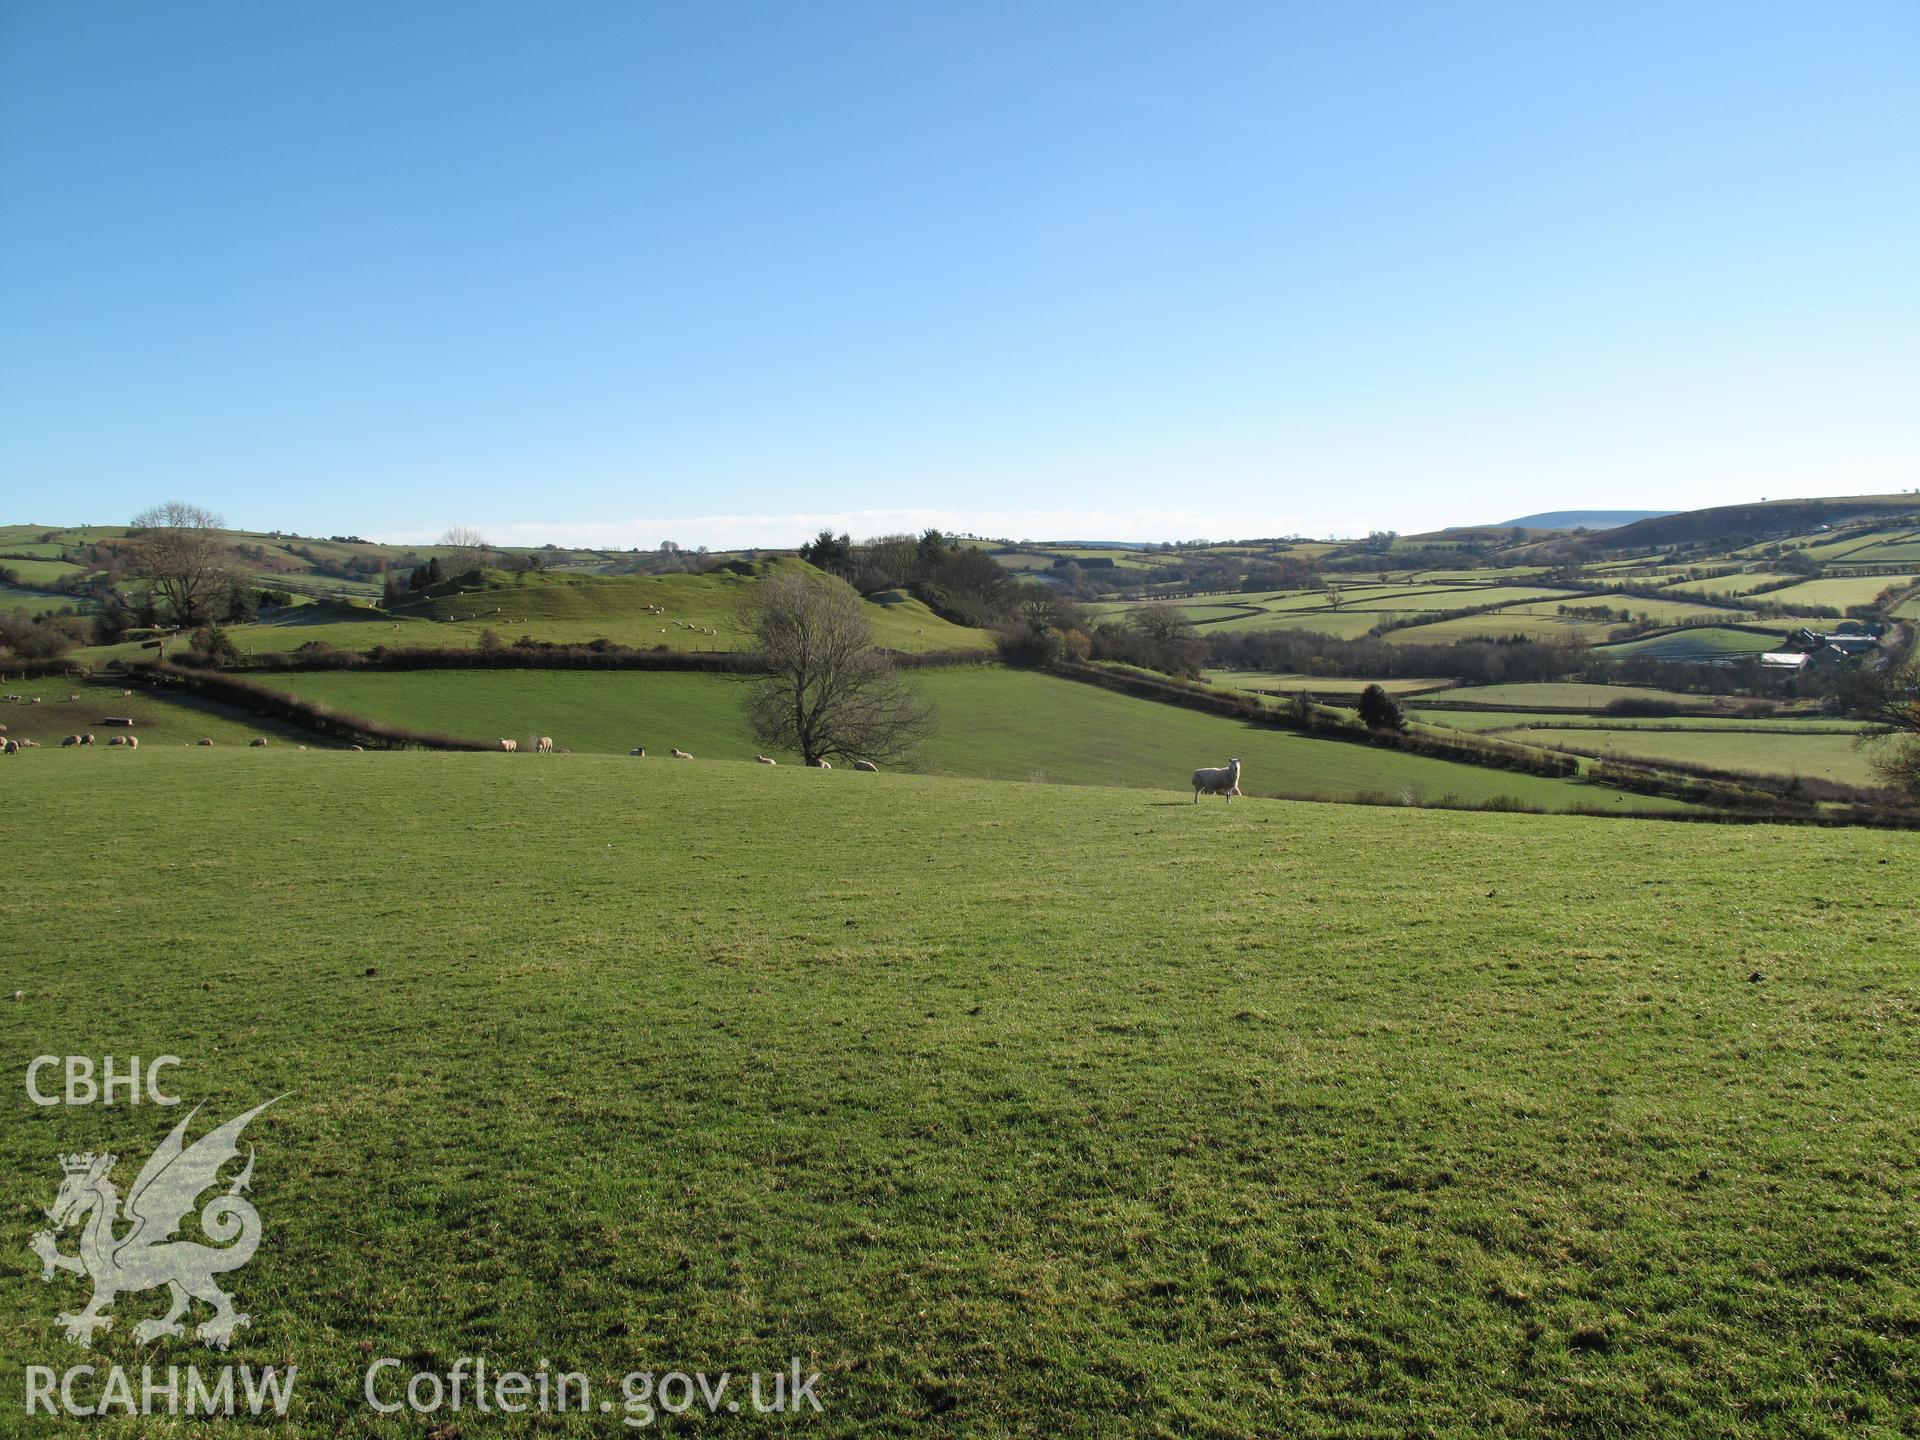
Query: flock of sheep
x: 544, y: 746
x: 1220, y: 780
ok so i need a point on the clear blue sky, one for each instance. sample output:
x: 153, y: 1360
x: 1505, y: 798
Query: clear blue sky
x: 619, y: 272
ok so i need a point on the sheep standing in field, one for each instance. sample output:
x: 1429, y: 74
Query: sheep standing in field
x: 823, y: 764
x: 544, y: 746
x: 133, y: 742
x: 118, y: 740
x: 9, y: 747
x: 86, y: 739
x: 1223, y: 781
x: 866, y: 765
x: 70, y: 740
x: 764, y: 760
x: 679, y: 754
x: 509, y: 746
x: 205, y: 742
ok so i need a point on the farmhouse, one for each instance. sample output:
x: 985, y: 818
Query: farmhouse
x: 1848, y: 642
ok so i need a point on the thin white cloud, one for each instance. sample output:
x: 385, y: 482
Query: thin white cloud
x: 783, y: 531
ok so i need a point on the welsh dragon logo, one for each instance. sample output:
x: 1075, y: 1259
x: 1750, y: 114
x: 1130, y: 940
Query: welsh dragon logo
x: 147, y: 1255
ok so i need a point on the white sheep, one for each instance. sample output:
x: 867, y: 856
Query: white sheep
x: 544, y: 746
x: 509, y: 746
x: 679, y: 754
x: 823, y: 764
x: 1224, y: 781
x: 766, y: 760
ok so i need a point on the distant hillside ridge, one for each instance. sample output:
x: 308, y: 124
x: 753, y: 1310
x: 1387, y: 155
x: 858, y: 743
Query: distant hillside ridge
x: 1584, y: 519
x: 1764, y: 520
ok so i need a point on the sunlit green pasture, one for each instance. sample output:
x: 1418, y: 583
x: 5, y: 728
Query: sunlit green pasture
x: 1839, y: 594
x: 1010, y: 1109
x: 994, y: 724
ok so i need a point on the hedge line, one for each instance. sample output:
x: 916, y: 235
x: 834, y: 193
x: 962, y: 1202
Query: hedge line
x: 557, y: 657
x: 1321, y: 721
x: 320, y: 718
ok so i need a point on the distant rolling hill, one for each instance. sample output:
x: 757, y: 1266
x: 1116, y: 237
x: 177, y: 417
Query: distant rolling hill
x: 1584, y: 519
x: 1736, y: 525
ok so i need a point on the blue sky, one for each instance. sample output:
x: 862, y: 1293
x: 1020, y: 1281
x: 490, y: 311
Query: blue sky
x: 618, y: 272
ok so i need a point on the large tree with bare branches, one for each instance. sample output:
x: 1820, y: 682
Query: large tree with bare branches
x: 467, y: 549
x: 828, y: 692
x: 183, y: 557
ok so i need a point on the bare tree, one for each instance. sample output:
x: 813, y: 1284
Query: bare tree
x: 1887, y: 697
x: 828, y: 692
x: 467, y: 549
x: 180, y: 553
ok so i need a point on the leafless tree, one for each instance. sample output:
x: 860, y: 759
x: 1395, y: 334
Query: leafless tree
x: 828, y: 692
x: 181, y: 554
x: 1887, y: 697
x: 467, y: 549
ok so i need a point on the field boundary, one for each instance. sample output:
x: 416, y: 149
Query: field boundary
x: 319, y: 718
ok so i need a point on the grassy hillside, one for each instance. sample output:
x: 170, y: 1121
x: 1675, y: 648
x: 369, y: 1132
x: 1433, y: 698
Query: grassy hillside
x: 994, y: 724
x: 1008, y: 1108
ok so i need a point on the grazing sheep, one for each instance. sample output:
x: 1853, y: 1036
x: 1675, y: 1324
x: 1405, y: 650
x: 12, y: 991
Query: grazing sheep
x: 3, y: 729
x: 866, y: 765
x: 639, y: 750
x: 258, y: 742
x: 133, y: 742
x: 118, y: 740
x: 823, y: 764
x: 678, y: 753
x: 1224, y: 781
x: 29, y: 744
x: 545, y: 745
x: 764, y: 760
x: 70, y: 740
x: 509, y: 746
x: 86, y: 739
x: 204, y: 741
x: 9, y: 747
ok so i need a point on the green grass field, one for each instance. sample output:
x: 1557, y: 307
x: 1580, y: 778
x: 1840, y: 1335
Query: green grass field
x: 994, y: 724
x: 170, y: 720
x: 38, y: 602
x: 1486, y: 721
x: 1570, y: 695
x: 1743, y: 583
x: 1702, y: 643
x: 1010, y: 1109
x: 1816, y: 756
x: 1837, y: 593
x: 38, y: 571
